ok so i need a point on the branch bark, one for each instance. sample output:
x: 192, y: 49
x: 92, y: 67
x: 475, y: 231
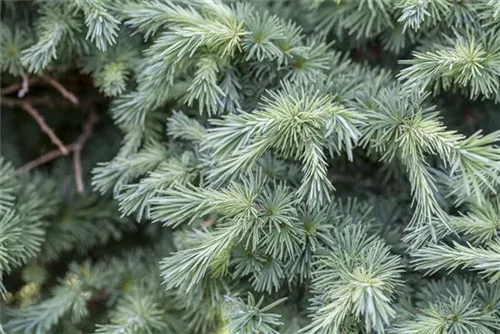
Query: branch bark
x: 43, y: 159
x: 23, y: 87
x: 19, y: 85
x: 77, y: 145
x: 88, y: 130
x: 64, y: 92
x: 39, y: 119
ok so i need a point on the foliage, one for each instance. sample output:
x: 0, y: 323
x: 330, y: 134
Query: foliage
x: 275, y: 167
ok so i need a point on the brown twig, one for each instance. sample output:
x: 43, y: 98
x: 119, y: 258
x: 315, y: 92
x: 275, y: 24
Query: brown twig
x: 18, y: 85
x: 77, y: 164
x: 43, y: 159
x: 77, y: 145
x: 25, y: 86
x: 39, y: 119
x: 88, y: 129
x: 48, y: 101
x: 64, y: 92
x: 207, y: 223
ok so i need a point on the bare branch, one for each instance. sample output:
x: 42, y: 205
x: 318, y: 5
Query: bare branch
x: 77, y: 164
x: 88, y: 129
x: 43, y: 159
x: 18, y: 86
x: 39, y: 119
x: 77, y: 145
x: 64, y: 92
x: 25, y: 86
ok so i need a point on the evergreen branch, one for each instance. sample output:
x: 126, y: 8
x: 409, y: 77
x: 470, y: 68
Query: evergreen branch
x: 87, y: 222
x: 131, y: 108
x: 187, y: 268
x: 361, y: 20
x: 112, y: 80
x: 455, y: 314
x: 102, y: 26
x: 263, y: 41
x: 250, y: 317
x: 270, y: 276
x: 416, y: 13
x: 182, y: 127
x: 424, y: 191
x: 315, y: 182
x: 402, y: 128
x: 231, y: 87
x: 112, y: 70
x: 137, y: 311
x: 310, y: 63
x: 480, y: 224
x: 436, y: 257
x: 21, y: 239
x: 138, y: 197
x: 184, y: 39
x: 8, y: 185
x: 112, y: 175
x: 180, y: 203
x: 294, y: 122
x: 10, y: 252
x: 468, y: 62
x: 284, y: 237
x: 150, y: 16
x: 69, y: 298
x: 40, y: 318
x: 23, y: 226
x: 56, y: 25
x: 478, y: 165
x: 13, y: 41
x: 418, y: 132
x: 247, y: 198
x: 356, y: 278
x: 204, y: 88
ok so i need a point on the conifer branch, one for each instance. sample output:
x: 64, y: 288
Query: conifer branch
x: 250, y: 317
x: 238, y: 120
x: 485, y: 260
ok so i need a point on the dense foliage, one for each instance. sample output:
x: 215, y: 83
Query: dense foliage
x: 209, y: 167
